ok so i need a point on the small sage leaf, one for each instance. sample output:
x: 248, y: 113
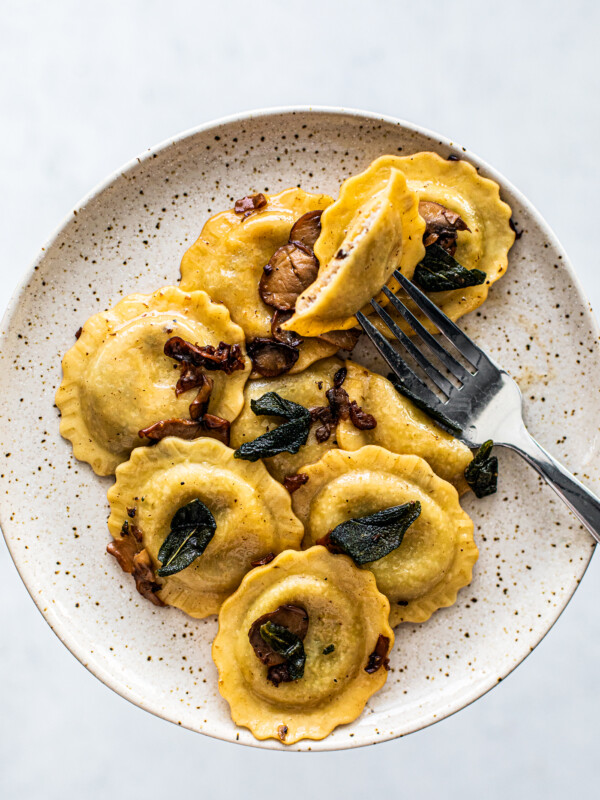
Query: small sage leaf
x: 482, y: 472
x: 192, y: 528
x: 439, y: 272
x: 367, y: 539
x: 282, y: 641
x: 288, y: 437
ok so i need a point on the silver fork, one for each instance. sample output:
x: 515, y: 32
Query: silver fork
x: 486, y: 404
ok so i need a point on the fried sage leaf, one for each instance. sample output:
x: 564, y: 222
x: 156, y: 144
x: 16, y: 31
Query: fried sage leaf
x: 288, y: 437
x: 282, y: 641
x: 439, y: 418
x: 367, y: 539
x: 292, y: 623
x: 439, y: 272
x: 482, y: 472
x: 192, y: 528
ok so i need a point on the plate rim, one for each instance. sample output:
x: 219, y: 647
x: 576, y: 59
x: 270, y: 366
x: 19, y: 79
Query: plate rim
x: 63, y: 632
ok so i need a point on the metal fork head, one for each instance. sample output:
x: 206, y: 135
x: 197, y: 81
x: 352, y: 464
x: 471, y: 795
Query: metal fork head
x: 480, y: 400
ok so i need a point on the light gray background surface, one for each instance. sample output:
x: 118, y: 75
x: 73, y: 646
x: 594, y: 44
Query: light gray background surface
x: 86, y: 86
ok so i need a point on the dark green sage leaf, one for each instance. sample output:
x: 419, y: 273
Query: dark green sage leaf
x: 281, y: 640
x: 288, y: 437
x: 440, y: 419
x: 329, y: 649
x: 439, y: 271
x: 367, y: 539
x: 192, y: 528
x: 482, y: 472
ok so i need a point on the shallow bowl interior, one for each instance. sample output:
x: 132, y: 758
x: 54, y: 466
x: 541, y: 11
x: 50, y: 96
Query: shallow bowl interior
x: 129, y: 236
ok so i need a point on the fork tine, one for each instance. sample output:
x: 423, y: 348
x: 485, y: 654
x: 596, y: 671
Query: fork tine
x: 398, y: 366
x: 448, y: 360
x: 451, y: 331
x: 436, y: 376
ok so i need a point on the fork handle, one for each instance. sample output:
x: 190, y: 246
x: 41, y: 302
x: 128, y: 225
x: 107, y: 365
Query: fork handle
x: 583, y: 503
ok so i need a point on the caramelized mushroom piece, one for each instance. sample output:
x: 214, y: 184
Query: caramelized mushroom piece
x: 123, y: 550
x: 294, y: 618
x: 345, y: 340
x: 226, y: 357
x: 339, y: 407
x: 209, y: 425
x: 137, y: 563
x: 290, y: 271
x: 189, y: 378
x: 340, y: 377
x: 260, y: 562
x: 216, y: 427
x: 378, y: 657
x: 145, y: 579
x: 442, y: 225
x: 339, y: 402
x: 270, y: 357
x: 360, y: 419
x: 282, y: 732
x: 323, y: 415
x: 182, y: 428
x: 294, y: 482
x: 199, y: 404
x: 247, y: 205
x: 307, y: 229
x: 287, y: 337
x: 137, y: 533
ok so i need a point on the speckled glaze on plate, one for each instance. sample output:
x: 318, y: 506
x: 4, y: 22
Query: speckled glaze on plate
x: 129, y: 236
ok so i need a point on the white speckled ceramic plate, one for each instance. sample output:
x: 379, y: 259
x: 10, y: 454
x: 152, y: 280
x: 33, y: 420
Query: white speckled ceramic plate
x: 129, y: 235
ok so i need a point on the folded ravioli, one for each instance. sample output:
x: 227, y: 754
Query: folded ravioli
x: 308, y: 389
x: 229, y: 257
x: 457, y: 186
x: 437, y: 553
x: 401, y: 427
x: 252, y: 513
x: 372, y: 229
x: 347, y: 622
x: 117, y: 379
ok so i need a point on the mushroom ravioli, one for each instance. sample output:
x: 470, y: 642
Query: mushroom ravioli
x: 401, y: 427
x: 252, y: 516
x: 436, y: 554
x: 373, y: 228
x: 337, y: 652
x: 467, y: 225
x: 117, y: 379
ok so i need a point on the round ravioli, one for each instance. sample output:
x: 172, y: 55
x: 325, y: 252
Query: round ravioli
x: 117, y: 379
x: 457, y: 186
x: 252, y: 512
x: 229, y: 257
x: 436, y: 556
x: 401, y: 427
x: 373, y: 228
x: 307, y: 389
x: 347, y: 624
